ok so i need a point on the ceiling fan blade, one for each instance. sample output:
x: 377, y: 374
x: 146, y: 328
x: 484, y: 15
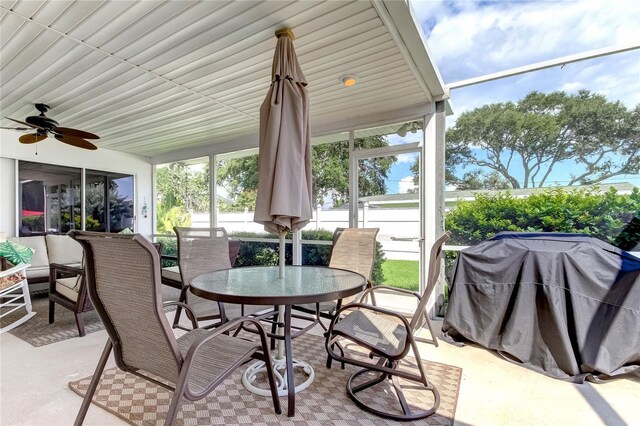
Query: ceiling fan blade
x: 77, y: 142
x: 32, y: 138
x: 66, y: 131
x: 22, y: 122
x: 19, y: 129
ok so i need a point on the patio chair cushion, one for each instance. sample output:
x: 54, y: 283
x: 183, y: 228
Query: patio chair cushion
x: 214, y: 358
x: 63, y: 249
x: 172, y: 273
x: 69, y: 287
x: 385, y: 333
x: 6, y: 282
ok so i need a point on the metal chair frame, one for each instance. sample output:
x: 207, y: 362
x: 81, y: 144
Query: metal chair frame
x: 183, y: 364
x: 387, y: 364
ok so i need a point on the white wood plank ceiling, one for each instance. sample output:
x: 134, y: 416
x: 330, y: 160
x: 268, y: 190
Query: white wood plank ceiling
x: 152, y: 77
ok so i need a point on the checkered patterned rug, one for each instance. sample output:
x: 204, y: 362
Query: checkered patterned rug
x: 140, y: 402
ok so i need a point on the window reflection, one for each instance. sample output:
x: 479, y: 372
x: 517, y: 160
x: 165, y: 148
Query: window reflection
x: 49, y: 198
x: 109, y: 201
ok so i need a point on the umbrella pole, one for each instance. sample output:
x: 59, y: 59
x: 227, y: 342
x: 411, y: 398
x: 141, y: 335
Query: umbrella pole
x: 280, y: 355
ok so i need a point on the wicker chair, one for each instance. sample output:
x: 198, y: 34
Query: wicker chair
x: 203, y: 250
x: 387, y: 336
x: 123, y: 282
x: 353, y: 249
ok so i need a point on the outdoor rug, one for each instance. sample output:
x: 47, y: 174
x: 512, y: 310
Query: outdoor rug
x: 325, y: 402
x: 38, y: 332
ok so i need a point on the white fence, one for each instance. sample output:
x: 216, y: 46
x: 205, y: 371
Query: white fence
x: 398, y: 227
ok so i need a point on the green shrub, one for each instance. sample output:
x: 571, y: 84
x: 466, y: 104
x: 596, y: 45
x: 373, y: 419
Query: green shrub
x: 585, y: 211
x: 265, y: 253
x: 169, y: 248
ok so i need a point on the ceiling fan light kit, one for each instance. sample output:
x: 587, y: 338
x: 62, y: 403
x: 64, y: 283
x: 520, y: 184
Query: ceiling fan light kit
x: 44, y: 126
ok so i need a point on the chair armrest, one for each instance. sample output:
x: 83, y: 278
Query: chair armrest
x: 387, y: 288
x: 190, y: 314
x: 169, y: 257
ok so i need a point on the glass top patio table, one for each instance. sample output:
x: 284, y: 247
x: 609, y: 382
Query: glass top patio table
x: 261, y: 285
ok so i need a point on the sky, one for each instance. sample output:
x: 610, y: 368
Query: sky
x: 468, y: 39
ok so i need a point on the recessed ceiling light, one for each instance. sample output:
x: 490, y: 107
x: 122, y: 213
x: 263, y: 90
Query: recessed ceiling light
x: 349, y: 80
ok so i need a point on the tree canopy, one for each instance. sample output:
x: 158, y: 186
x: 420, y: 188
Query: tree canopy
x: 330, y: 162
x: 518, y: 144
x: 180, y: 189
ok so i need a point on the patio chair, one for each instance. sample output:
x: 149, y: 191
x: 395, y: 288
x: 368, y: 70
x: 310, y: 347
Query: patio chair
x: 353, y: 249
x: 171, y: 274
x: 67, y: 288
x: 123, y: 282
x: 387, y: 336
x: 14, y: 295
x: 203, y: 250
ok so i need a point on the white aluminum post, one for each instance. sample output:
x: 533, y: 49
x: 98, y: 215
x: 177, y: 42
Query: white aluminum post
x: 432, y: 196
x: 154, y: 200
x: 18, y: 199
x: 318, y: 208
x: 353, y: 183
x: 213, y: 191
x: 297, y: 247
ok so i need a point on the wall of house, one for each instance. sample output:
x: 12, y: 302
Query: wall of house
x: 51, y: 151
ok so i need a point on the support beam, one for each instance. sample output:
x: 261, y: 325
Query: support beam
x: 432, y: 192
x: 543, y: 65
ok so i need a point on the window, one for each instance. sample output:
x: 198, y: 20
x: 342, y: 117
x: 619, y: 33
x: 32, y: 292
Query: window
x: 49, y: 200
x: 182, y: 195
x: 109, y: 201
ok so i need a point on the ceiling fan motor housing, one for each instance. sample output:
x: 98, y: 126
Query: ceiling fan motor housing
x: 42, y: 121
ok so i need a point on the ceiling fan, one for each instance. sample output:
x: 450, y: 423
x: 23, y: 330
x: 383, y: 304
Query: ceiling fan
x: 44, y: 126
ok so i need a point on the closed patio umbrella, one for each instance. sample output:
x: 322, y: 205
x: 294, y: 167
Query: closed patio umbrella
x: 284, y: 187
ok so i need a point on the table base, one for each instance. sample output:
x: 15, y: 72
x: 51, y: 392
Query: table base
x: 280, y: 373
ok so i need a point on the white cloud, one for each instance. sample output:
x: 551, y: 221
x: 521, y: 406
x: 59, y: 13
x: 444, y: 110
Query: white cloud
x: 405, y: 184
x: 407, y: 158
x: 469, y: 39
x: 572, y: 86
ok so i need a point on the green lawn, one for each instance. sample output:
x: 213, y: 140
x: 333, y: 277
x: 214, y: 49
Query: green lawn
x: 401, y: 273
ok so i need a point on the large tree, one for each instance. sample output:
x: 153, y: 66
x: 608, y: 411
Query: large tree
x: 178, y: 184
x: 239, y: 176
x: 181, y: 189
x: 537, y: 134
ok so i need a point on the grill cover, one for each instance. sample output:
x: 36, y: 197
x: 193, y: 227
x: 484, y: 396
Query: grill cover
x: 565, y: 305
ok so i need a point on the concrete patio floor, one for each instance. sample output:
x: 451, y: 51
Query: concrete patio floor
x: 492, y: 392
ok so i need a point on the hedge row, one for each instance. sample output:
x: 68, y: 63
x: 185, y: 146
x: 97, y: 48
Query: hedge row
x: 254, y: 253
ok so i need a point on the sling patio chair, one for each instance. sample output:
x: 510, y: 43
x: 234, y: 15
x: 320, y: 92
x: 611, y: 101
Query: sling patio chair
x: 67, y: 288
x: 123, y: 282
x: 202, y: 250
x: 387, y: 337
x: 354, y: 249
